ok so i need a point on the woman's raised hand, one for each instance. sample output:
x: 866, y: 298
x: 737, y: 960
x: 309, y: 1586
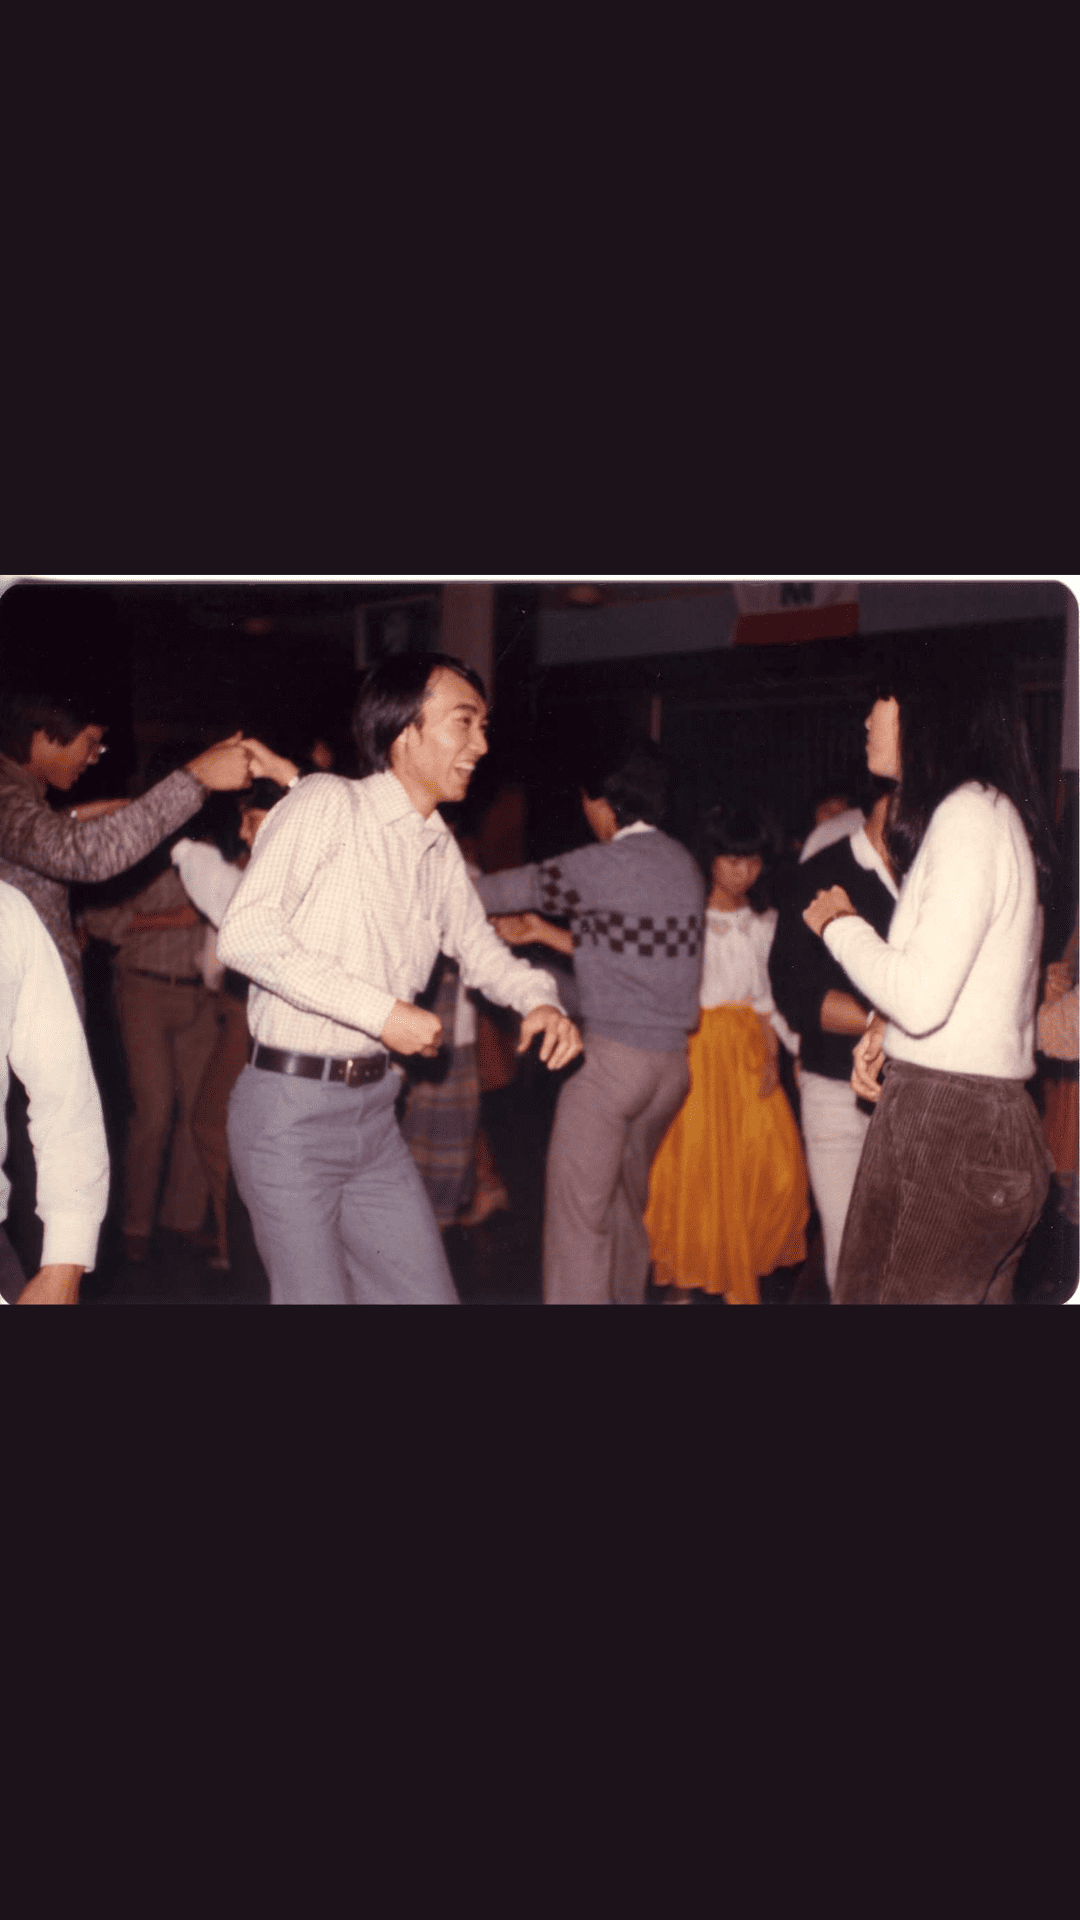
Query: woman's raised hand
x: 267, y: 765
x: 826, y: 906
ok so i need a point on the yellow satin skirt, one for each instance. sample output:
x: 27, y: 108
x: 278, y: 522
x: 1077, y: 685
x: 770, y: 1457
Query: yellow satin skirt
x: 728, y: 1196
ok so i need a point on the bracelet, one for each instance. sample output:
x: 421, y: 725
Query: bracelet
x: 74, y: 814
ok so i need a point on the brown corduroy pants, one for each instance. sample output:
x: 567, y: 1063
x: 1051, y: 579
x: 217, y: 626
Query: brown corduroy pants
x: 953, y: 1178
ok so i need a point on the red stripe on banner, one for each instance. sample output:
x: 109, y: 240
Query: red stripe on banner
x: 796, y: 623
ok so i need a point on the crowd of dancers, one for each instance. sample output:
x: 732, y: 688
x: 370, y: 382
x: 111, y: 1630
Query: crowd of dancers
x: 305, y: 976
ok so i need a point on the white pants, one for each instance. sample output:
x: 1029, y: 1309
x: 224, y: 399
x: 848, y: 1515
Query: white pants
x: 834, y: 1130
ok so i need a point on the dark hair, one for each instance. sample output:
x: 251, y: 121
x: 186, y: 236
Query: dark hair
x: 261, y: 796
x: 24, y: 712
x: 635, y: 787
x: 391, y: 699
x: 960, y: 720
x: 735, y: 831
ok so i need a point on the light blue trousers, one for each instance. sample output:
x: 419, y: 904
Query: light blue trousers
x: 338, y: 1208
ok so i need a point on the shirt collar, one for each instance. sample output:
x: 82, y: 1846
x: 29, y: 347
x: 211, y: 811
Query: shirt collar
x: 867, y: 855
x: 638, y: 826
x: 391, y: 802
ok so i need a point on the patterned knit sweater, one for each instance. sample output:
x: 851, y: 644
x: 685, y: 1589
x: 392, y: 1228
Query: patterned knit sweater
x: 41, y: 851
x: 636, y: 908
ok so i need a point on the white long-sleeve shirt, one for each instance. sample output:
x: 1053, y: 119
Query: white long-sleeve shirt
x: 209, y: 880
x: 735, y: 965
x: 957, y: 978
x: 42, y: 1040
x: 349, y: 895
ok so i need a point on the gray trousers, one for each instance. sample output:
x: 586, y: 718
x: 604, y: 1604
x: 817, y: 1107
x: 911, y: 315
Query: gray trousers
x: 610, y: 1120
x: 338, y: 1209
x: 952, y: 1180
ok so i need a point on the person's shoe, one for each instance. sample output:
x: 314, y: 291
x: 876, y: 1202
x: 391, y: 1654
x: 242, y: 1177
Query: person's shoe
x: 136, y: 1246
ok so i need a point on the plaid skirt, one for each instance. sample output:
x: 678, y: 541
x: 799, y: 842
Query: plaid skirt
x: 439, y: 1111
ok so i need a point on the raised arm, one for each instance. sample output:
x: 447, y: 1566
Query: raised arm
x: 62, y: 848
x: 918, y: 984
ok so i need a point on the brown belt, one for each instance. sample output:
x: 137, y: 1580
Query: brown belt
x: 361, y: 1072
x: 168, y: 979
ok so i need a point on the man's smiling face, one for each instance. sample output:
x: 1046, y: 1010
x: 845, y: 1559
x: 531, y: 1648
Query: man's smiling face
x: 435, y: 758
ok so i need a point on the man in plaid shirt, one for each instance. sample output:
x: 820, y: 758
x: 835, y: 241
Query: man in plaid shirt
x: 353, y: 888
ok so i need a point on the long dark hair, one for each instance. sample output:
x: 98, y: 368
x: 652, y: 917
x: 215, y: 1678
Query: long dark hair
x: 960, y: 720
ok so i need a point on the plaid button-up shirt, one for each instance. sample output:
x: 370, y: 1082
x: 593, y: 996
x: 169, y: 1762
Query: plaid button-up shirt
x: 349, y: 896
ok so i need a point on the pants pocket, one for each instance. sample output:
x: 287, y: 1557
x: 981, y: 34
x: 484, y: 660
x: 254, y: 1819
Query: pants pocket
x: 997, y: 1191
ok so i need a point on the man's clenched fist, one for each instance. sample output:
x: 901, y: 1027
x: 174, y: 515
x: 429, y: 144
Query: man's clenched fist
x: 409, y: 1029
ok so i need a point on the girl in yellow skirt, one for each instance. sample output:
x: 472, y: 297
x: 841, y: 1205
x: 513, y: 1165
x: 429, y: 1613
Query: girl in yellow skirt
x: 728, y: 1197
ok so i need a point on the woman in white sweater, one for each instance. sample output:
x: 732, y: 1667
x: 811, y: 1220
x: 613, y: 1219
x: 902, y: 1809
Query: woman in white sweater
x: 954, y: 1172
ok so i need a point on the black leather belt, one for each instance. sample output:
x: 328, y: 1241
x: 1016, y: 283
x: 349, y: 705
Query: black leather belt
x: 168, y: 979
x: 361, y: 1072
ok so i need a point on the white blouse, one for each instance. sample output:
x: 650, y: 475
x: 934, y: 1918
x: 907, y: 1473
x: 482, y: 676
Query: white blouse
x: 735, y: 965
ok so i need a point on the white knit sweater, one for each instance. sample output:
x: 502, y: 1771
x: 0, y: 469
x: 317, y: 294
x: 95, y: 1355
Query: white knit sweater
x: 958, y: 976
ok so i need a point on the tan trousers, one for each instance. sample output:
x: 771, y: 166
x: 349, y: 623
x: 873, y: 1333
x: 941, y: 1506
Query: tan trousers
x: 169, y: 1035
x: 223, y: 1070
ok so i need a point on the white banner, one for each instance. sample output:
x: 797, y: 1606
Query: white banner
x: 782, y: 596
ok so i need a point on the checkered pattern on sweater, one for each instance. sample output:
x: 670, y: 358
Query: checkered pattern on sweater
x: 645, y: 935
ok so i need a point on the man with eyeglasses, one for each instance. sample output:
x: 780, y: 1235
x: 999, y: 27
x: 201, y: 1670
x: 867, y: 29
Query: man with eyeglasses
x: 45, y: 741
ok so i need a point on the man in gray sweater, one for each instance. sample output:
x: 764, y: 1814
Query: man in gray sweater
x: 46, y: 742
x: 636, y: 905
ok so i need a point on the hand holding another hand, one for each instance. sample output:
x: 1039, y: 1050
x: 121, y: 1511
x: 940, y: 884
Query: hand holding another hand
x: 267, y: 765
x: 224, y: 768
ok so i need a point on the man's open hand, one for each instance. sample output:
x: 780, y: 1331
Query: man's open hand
x: 410, y: 1029
x: 562, y: 1041
x: 52, y: 1287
